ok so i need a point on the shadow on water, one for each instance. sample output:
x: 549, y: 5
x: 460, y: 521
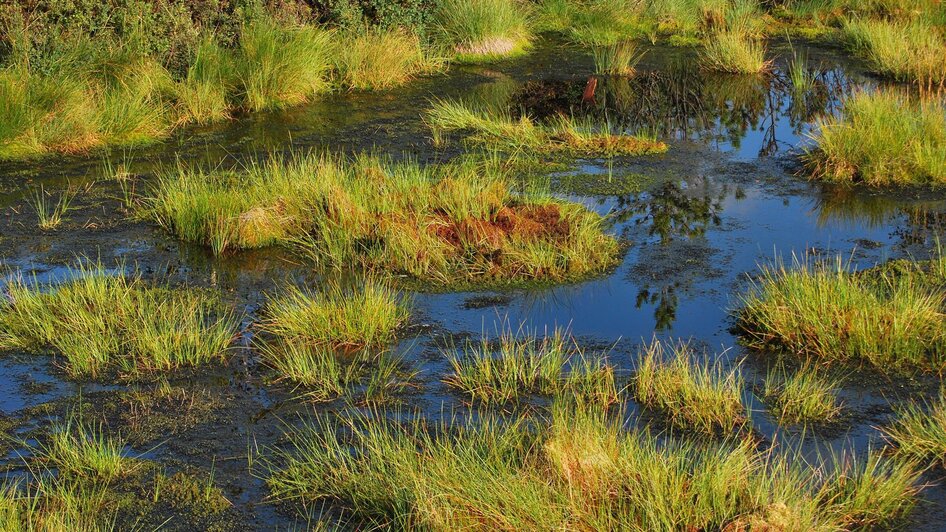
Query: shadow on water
x: 697, y: 222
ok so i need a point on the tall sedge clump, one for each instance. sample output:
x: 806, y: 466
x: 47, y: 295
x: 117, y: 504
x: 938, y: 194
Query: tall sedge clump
x: 278, y: 67
x: 482, y: 29
x: 735, y: 53
x: 882, y: 138
x: 377, y: 60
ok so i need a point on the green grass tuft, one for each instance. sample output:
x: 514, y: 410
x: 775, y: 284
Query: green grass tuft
x: 823, y: 311
x: 479, y: 30
x: 698, y: 395
x: 920, y: 430
x: 882, y: 138
x: 562, y: 135
x: 583, y: 471
x: 98, y: 321
x: 734, y: 53
x: 506, y: 370
x: 805, y: 396
x: 377, y: 60
x: 450, y: 223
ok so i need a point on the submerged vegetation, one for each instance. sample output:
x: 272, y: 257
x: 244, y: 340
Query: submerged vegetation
x: 563, y: 135
x: 449, y: 223
x: 582, y: 471
x: 106, y: 321
x: 889, y: 318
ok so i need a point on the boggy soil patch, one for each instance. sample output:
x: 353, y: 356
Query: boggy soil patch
x: 446, y: 224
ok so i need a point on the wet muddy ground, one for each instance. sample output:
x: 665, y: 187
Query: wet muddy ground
x: 697, y: 221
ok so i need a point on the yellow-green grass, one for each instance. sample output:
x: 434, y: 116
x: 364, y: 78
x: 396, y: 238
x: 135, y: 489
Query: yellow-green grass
x: 822, y: 310
x: 449, y: 223
x: 348, y: 320
x: 912, y: 51
x: 618, y: 59
x: 514, y: 367
x: 335, y: 340
x: 102, y: 322
x: 920, y: 430
x: 735, y: 53
x: 582, y: 471
x: 803, y: 396
x: 277, y: 67
x: 562, y: 135
x: 482, y: 30
x: 694, y: 394
x: 98, y: 92
x: 882, y: 138
x: 376, y: 60
x: 51, y: 213
x: 68, y: 481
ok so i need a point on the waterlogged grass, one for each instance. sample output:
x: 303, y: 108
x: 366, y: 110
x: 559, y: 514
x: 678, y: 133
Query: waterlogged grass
x: 332, y: 342
x: 514, y: 367
x: 882, y: 138
x: 97, y: 92
x: 694, y: 394
x: 618, y: 59
x: 920, y: 430
x: 358, y: 318
x: 67, y: 488
x: 822, y: 310
x: 102, y: 322
x: 50, y: 213
x: 451, y: 223
x: 910, y: 50
x: 481, y: 30
x: 803, y: 396
x: 563, y: 135
x: 582, y: 471
x: 735, y: 53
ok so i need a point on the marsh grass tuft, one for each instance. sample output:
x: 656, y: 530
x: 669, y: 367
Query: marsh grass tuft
x: 619, y: 59
x: 515, y: 366
x: 50, y: 214
x: 822, y: 310
x: 694, y: 394
x: 481, y: 30
x: 68, y: 480
x: 581, y: 470
x: 803, y: 396
x: 377, y: 60
x: 882, y: 138
x: 336, y: 340
x: 919, y: 431
x: 912, y: 51
x: 735, y: 53
x: 352, y: 319
x: 450, y: 223
x: 101, y: 321
x: 562, y: 135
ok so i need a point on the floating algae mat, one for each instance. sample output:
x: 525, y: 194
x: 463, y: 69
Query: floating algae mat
x: 517, y: 295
